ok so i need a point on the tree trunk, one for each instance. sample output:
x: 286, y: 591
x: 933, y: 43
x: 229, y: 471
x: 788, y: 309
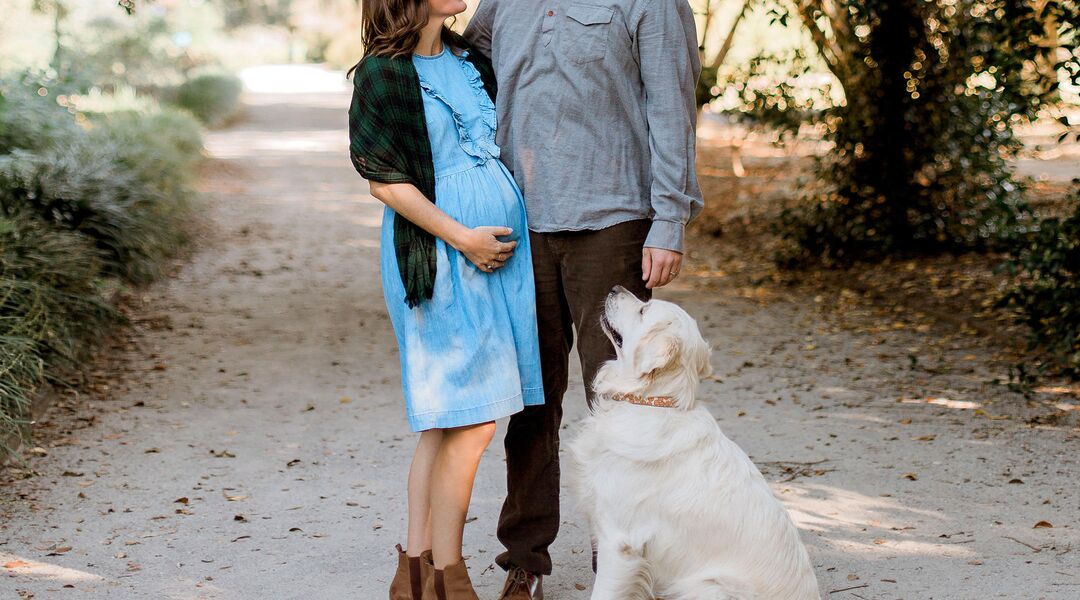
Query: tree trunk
x: 730, y: 38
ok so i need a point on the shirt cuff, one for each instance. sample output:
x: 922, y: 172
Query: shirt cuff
x: 666, y: 235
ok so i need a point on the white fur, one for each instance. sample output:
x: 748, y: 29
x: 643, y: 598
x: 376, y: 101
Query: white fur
x: 677, y: 510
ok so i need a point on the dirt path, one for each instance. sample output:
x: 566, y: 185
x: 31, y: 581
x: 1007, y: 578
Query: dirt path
x: 260, y: 448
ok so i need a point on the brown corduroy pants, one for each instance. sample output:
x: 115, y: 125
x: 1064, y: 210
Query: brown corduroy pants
x: 574, y: 271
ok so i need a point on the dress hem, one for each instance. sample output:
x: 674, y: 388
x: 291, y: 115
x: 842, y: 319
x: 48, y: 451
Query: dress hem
x: 467, y: 416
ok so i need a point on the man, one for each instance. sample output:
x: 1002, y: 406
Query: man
x: 596, y: 114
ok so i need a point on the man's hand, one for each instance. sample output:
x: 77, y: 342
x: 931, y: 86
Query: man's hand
x: 659, y: 266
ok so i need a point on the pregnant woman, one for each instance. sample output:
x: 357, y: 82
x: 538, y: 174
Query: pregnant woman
x: 456, y: 267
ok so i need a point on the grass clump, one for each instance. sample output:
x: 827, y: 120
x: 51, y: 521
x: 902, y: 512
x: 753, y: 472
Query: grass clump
x: 85, y: 198
x: 213, y: 98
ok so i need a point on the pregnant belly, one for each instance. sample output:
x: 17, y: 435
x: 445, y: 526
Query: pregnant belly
x: 483, y: 196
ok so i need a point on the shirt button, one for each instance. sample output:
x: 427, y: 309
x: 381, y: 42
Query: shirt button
x: 551, y: 13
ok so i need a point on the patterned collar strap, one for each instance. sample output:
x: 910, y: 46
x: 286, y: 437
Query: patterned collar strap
x: 657, y: 401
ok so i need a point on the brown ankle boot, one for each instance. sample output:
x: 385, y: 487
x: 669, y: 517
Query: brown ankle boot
x: 451, y: 583
x: 412, y: 575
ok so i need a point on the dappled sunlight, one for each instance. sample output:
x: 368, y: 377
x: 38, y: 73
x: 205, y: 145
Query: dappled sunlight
x: 32, y: 569
x: 843, y: 517
x: 369, y: 220
x: 863, y: 417
x: 362, y: 243
x: 1059, y: 390
x: 946, y: 402
x: 822, y: 507
x: 293, y: 79
x: 259, y: 143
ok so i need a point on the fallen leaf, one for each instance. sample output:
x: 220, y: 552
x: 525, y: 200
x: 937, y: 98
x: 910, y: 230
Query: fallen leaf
x: 183, y: 500
x: 911, y: 476
x: 59, y: 551
x: 16, y: 564
x: 1043, y: 525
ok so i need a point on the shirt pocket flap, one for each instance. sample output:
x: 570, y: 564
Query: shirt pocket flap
x: 589, y: 15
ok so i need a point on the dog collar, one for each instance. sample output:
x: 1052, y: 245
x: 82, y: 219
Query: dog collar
x: 657, y: 401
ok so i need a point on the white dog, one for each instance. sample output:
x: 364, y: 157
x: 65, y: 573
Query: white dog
x: 677, y: 510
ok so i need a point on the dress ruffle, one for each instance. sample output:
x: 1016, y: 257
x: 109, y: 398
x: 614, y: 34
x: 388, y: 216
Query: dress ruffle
x: 483, y: 145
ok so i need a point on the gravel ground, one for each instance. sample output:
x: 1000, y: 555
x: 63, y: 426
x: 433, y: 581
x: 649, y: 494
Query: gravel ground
x: 258, y: 446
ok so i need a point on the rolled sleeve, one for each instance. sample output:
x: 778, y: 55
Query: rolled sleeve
x: 667, y: 235
x: 666, y: 45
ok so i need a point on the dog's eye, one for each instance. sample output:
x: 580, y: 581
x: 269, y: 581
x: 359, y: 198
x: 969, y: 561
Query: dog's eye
x: 642, y: 311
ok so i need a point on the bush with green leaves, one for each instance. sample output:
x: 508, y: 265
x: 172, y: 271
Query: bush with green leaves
x: 30, y: 116
x: 122, y: 184
x: 934, y: 90
x: 51, y: 310
x: 1045, y: 294
x: 213, y: 98
x: 84, y: 197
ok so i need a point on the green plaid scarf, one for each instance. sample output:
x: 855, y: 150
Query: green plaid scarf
x: 389, y: 143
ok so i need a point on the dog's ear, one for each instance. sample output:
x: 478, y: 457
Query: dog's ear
x: 656, y: 352
x: 704, y: 364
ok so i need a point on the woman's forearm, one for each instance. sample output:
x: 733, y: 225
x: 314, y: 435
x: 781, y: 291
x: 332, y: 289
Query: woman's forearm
x: 407, y: 200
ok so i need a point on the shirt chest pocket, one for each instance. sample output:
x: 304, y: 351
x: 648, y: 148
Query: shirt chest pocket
x: 585, y: 32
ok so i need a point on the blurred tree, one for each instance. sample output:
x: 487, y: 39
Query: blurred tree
x: 259, y: 12
x: 934, y: 89
x: 711, y: 60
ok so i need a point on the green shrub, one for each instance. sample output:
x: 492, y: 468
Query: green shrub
x: 51, y: 310
x: 20, y: 372
x: 30, y: 116
x: 934, y: 90
x: 213, y: 98
x: 1046, y: 290
x: 123, y: 184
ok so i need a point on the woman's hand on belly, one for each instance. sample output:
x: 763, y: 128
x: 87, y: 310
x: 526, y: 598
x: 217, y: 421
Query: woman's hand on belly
x: 482, y: 247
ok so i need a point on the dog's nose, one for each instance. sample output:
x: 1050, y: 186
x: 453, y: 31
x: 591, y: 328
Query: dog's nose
x: 617, y: 290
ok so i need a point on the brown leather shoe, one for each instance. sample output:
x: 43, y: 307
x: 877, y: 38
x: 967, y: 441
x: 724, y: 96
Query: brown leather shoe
x: 451, y: 583
x: 412, y: 574
x: 522, y: 585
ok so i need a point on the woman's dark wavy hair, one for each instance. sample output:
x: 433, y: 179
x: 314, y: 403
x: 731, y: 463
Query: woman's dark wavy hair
x: 391, y: 28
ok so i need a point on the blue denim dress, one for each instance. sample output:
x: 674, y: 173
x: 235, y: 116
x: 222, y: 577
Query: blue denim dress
x: 470, y: 354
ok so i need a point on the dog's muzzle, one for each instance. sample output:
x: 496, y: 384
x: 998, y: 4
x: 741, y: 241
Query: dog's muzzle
x: 616, y: 337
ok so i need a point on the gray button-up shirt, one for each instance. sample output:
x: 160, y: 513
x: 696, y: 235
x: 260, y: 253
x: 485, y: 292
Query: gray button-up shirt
x: 596, y: 110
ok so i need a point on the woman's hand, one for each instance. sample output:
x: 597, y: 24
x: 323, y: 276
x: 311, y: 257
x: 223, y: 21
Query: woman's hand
x: 483, y: 248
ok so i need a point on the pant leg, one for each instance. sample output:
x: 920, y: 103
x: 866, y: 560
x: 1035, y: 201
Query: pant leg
x: 594, y: 262
x: 530, y: 515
